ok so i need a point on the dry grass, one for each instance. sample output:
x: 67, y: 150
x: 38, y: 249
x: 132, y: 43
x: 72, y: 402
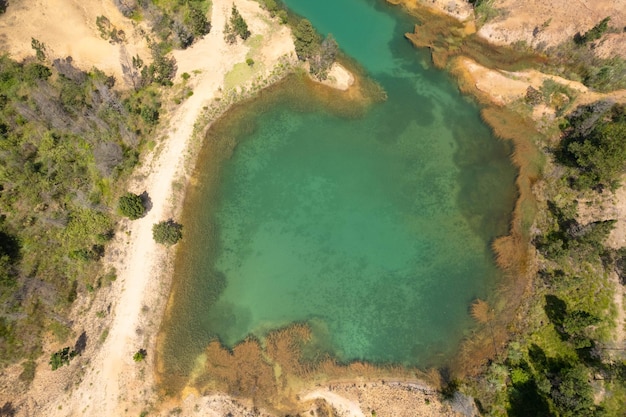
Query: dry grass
x: 481, y: 311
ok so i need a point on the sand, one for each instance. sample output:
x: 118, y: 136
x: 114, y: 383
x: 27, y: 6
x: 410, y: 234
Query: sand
x: 548, y: 23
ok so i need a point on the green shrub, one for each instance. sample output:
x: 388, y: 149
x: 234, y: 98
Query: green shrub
x: 250, y: 62
x: 167, y: 232
x: 131, y: 206
x: 282, y: 15
x: 140, y: 355
x: 594, y: 33
x: 61, y: 357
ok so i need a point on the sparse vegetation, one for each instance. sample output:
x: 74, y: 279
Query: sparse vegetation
x: 175, y: 23
x: 39, y: 48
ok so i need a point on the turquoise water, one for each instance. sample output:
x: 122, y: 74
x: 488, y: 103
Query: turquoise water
x: 376, y: 229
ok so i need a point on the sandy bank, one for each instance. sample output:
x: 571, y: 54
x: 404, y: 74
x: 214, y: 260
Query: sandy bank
x: 339, y: 77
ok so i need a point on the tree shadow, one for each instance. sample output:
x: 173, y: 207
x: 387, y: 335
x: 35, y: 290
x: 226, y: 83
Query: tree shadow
x: 81, y: 343
x: 146, y: 200
x: 525, y: 400
x: 556, y: 310
x: 8, y: 410
x: 537, y: 357
x: 10, y: 246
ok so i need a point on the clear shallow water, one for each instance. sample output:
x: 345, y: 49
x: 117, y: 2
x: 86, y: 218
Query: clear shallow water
x: 375, y: 229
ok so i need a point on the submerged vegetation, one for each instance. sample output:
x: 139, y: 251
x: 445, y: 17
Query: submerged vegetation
x: 565, y: 356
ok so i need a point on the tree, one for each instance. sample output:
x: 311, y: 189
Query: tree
x: 238, y: 25
x: 167, y: 232
x: 39, y: 47
x: 131, y: 206
x: 61, y: 357
x: 306, y: 41
x: 196, y: 18
x: 324, y: 57
x: 571, y: 392
x: 595, y: 143
x: 594, y: 33
x: 162, y: 70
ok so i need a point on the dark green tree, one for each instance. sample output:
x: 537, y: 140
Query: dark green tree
x: 163, y: 68
x: 594, y: 33
x: 306, y: 40
x: 39, y: 47
x: 197, y: 21
x: 167, y: 232
x: 595, y: 143
x: 238, y: 25
x: 131, y: 206
x: 571, y: 392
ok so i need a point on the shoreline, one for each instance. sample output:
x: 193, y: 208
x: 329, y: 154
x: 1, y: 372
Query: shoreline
x: 133, y: 325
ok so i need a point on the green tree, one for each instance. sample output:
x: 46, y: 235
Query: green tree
x: 163, y: 68
x: 238, y: 25
x: 167, y: 232
x: 595, y: 143
x: 197, y: 20
x: 61, y: 357
x: 39, y: 47
x: 594, y: 33
x: 571, y: 392
x: 324, y: 57
x: 306, y: 40
x: 131, y: 206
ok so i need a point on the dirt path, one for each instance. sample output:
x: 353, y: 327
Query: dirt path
x: 109, y: 382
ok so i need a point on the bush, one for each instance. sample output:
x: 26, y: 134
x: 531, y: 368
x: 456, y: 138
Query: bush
x: 167, y: 232
x: 594, y: 33
x: 61, y: 357
x: 140, y: 355
x: 250, y: 62
x: 131, y: 206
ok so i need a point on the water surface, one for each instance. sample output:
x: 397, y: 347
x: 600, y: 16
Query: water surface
x: 376, y: 229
